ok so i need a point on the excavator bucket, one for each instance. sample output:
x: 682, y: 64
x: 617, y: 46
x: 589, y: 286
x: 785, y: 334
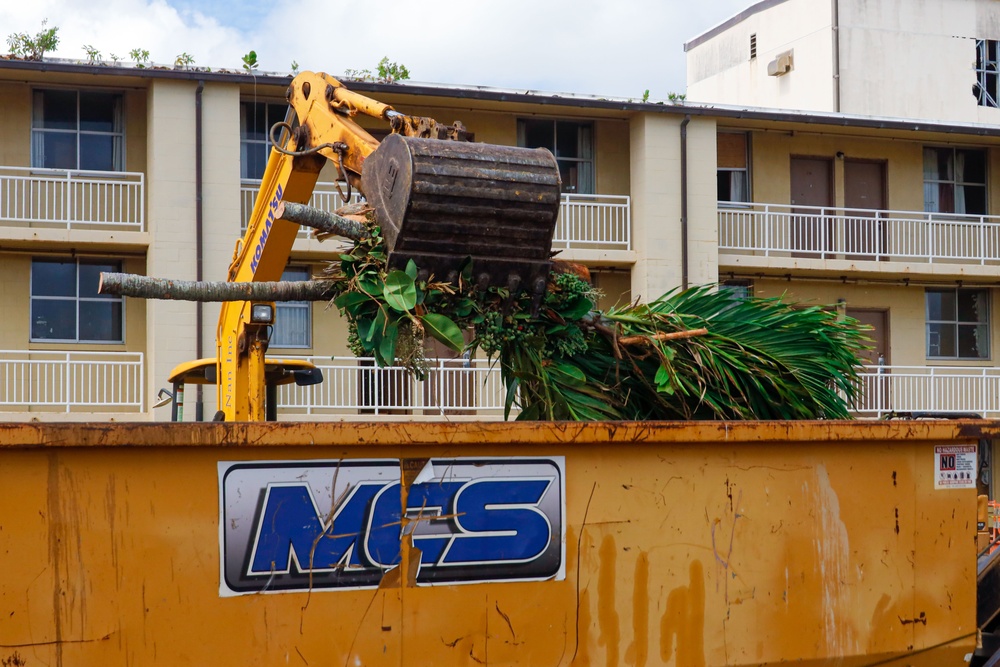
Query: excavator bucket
x: 440, y: 202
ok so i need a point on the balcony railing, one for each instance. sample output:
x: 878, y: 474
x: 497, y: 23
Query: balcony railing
x: 93, y: 381
x: 806, y: 231
x: 585, y: 221
x: 61, y: 199
x: 888, y: 389
x: 594, y: 221
x: 356, y: 385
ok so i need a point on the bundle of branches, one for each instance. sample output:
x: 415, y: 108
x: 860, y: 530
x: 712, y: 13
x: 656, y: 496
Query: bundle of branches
x: 691, y: 354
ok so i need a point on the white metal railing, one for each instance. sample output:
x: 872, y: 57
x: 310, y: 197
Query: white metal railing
x: 887, y: 389
x: 809, y: 231
x: 452, y: 386
x: 594, y: 221
x: 585, y: 221
x: 64, y: 380
x: 72, y: 199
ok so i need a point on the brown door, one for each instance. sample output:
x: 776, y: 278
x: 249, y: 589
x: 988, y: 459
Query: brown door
x: 864, y: 188
x: 812, y: 185
x: 875, y: 398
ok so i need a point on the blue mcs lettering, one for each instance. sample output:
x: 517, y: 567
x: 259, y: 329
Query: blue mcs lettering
x: 479, y: 521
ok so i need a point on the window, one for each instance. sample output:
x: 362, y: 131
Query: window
x: 987, y: 87
x: 65, y: 305
x: 955, y: 180
x: 742, y: 289
x: 573, y: 145
x: 958, y: 323
x: 293, y: 319
x: 256, y: 119
x: 77, y: 130
x: 733, y: 172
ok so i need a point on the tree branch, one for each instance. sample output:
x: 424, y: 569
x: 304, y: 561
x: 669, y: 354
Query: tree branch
x: 324, y: 222
x: 664, y: 335
x: 145, y: 287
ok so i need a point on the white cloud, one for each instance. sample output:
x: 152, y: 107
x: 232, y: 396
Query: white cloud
x: 583, y: 46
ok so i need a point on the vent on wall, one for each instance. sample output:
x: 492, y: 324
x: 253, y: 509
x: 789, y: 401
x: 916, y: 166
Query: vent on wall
x: 753, y: 46
x: 782, y: 64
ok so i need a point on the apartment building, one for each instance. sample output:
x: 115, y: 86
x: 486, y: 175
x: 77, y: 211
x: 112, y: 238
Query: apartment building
x: 153, y: 171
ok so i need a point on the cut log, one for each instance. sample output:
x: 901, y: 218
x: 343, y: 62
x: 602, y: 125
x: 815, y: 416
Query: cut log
x: 145, y: 287
x: 325, y: 223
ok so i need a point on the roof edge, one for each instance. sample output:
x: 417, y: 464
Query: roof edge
x: 730, y: 22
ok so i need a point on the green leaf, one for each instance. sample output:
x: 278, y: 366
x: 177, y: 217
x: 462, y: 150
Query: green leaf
x: 400, y: 291
x: 378, y: 324
x: 387, y: 348
x: 577, y: 308
x: 348, y: 300
x: 443, y: 329
x: 411, y: 269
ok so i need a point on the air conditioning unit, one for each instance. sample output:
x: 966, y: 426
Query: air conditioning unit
x: 781, y: 65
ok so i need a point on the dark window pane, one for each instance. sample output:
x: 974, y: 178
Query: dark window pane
x: 53, y: 319
x: 972, y: 306
x: 98, y: 112
x: 254, y: 161
x: 940, y: 340
x: 941, y: 305
x: 972, y: 201
x: 970, y: 166
x: 253, y: 123
x: 539, y: 134
x: 568, y: 140
x: 90, y: 277
x: 50, y: 278
x: 54, y: 150
x: 100, y: 321
x: 55, y: 109
x: 97, y: 152
x: 569, y: 174
x: 973, y: 341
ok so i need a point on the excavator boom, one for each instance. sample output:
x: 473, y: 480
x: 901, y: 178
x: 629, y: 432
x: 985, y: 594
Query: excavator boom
x: 439, y: 199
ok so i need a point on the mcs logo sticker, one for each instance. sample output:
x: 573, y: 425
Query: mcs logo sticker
x: 289, y: 526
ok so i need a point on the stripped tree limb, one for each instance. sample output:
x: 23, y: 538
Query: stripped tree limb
x: 664, y: 335
x: 325, y: 223
x: 145, y: 287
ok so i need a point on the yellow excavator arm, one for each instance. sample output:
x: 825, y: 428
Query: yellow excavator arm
x: 438, y: 198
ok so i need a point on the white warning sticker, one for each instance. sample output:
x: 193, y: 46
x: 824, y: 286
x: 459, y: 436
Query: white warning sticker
x: 955, y: 467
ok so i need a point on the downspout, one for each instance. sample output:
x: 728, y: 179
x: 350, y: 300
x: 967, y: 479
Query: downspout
x: 199, y: 406
x: 836, y: 56
x: 684, y: 201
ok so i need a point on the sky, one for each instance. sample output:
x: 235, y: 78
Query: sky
x: 615, y: 48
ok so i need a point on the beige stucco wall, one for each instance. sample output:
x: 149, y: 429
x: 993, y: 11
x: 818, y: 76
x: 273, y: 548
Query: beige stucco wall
x: 655, y: 166
x: 171, y: 202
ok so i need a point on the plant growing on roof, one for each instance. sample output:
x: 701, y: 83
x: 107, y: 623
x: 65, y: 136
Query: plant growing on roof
x: 389, y: 72
x: 140, y: 56
x: 184, y: 60
x: 295, y: 67
x: 93, y: 55
x: 250, y: 61
x: 25, y: 46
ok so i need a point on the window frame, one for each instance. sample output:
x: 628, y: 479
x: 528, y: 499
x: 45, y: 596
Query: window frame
x: 957, y: 323
x: 119, y: 154
x: 115, y: 265
x: 745, y: 170
x: 987, y: 86
x: 954, y: 180
x: 246, y: 144
x: 294, y: 272
x: 591, y: 161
